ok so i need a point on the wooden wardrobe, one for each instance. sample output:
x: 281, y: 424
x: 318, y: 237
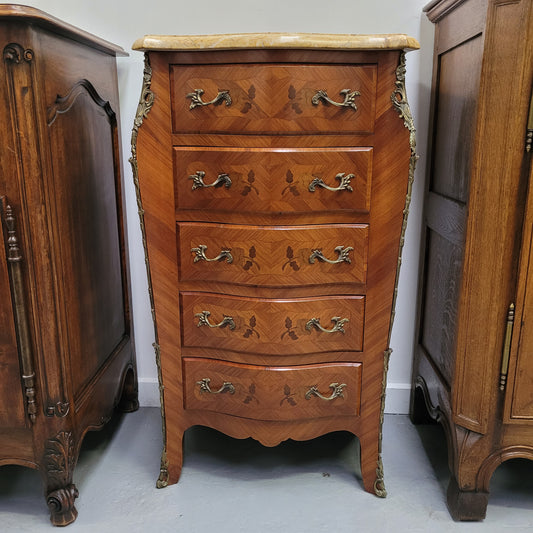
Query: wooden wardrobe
x: 473, y: 367
x: 66, y: 347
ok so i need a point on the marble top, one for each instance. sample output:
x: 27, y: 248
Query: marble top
x: 317, y: 41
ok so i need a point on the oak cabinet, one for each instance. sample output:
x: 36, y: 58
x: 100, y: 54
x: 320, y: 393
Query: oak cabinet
x: 272, y: 181
x: 66, y: 347
x: 473, y: 369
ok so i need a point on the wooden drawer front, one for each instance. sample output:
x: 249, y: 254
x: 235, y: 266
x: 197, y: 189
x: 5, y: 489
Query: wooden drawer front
x: 273, y: 256
x: 273, y: 393
x: 262, y: 180
x: 272, y: 98
x: 272, y: 327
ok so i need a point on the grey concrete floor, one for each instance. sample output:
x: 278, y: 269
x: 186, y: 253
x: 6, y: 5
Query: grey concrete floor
x: 238, y: 486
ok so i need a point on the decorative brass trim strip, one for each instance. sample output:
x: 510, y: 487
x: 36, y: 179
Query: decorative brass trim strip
x: 196, y: 98
x: 198, y: 181
x: 14, y: 258
x: 507, y: 347
x: 379, y: 483
x: 344, y: 183
x: 199, y: 252
x: 338, y: 392
x: 400, y: 103
x: 227, y: 386
x: 203, y: 320
x: 337, y: 321
x: 349, y: 98
x: 146, y: 101
x: 342, y: 252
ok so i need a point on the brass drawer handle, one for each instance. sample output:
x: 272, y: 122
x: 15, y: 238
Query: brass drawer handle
x: 200, y: 255
x: 203, y: 320
x: 337, y: 321
x: 349, y: 98
x: 337, y: 392
x: 198, y: 181
x: 196, y: 98
x: 343, y: 253
x: 344, y: 183
x: 227, y: 386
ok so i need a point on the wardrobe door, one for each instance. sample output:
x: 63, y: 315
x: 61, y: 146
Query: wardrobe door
x: 519, y: 374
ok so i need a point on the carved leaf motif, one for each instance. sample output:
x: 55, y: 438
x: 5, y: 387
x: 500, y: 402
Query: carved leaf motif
x: 252, y: 252
x: 291, y: 401
x: 288, y: 323
x: 286, y: 390
x: 59, y: 455
x: 246, y: 190
x: 290, y: 253
x: 290, y: 177
x: 293, y: 336
x: 251, y: 92
x: 251, y: 176
x: 253, y: 322
x: 247, y: 265
x: 251, y: 388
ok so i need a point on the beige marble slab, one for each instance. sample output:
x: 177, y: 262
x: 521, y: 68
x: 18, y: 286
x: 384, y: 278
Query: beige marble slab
x: 317, y: 41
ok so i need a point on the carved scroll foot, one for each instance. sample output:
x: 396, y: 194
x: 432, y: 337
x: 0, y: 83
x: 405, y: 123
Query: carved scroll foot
x: 465, y: 504
x: 61, y: 505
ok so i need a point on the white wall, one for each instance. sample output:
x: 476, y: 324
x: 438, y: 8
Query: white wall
x: 122, y: 21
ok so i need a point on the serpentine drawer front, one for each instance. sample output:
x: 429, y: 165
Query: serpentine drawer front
x: 272, y: 393
x: 272, y: 326
x: 258, y: 98
x: 273, y: 175
x: 295, y: 180
x: 273, y: 255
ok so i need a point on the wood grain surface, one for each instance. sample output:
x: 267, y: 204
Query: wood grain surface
x: 478, y: 250
x: 270, y: 141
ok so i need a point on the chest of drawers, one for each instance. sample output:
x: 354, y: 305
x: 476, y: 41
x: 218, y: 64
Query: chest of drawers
x: 272, y: 173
